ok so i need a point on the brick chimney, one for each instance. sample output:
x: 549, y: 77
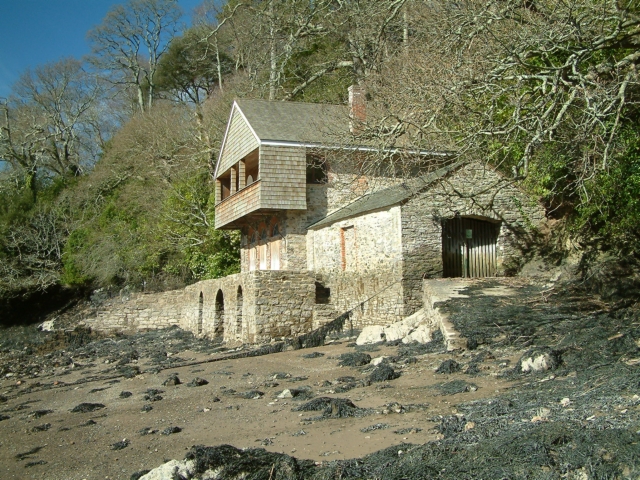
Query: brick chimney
x: 357, y: 108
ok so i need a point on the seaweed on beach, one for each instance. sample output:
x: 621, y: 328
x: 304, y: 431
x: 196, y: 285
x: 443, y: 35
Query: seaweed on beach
x: 256, y: 463
x: 333, y: 408
x: 356, y: 359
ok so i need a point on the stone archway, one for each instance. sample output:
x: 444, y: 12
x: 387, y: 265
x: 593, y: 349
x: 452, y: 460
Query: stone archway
x: 218, y: 322
x: 200, y: 313
x: 239, y: 301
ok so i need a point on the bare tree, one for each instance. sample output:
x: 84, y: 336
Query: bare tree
x: 527, y: 85
x: 33, y: 253
x: 50, y: 123
x: 130, y: 41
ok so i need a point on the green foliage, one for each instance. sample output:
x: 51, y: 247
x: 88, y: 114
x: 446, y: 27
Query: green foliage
x: 149, y: 224
x: 71, y: 270
x: 610, y: 206
x: 16, y: 201
x: 217, y: 258
x: 32, y: 235
x: 190, y: 65
x: 187, y: 222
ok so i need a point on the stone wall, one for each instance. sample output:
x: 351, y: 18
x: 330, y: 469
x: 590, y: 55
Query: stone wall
x: 139, y: 311
x: 360, y: 261
x: 365, y: 244
x: 256, y: 306
x: 475, y: 191
x: 249, y: 307
x: 436, y: 291
x: 284, y: 302
x: 371, y: 299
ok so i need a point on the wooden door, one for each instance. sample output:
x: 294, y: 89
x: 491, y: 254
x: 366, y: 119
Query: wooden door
x: 469, y: 247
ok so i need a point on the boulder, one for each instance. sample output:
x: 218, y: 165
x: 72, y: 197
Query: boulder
x: 539, y: 360
x: 285, y: 394
x: 170, y: 470
x: 422, y: 334
x: 373, y: 334
x: 377, y: 361
x: 48, y: 326
x: 413, y: 328
x: 397, y: 331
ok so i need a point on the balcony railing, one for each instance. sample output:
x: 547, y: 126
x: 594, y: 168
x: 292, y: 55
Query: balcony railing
x: 239, y: 204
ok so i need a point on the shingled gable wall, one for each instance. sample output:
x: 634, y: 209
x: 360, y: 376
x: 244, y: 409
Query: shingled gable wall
x: 239, y: 143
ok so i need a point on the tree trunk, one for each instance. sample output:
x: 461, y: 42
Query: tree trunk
x: 273, y: 74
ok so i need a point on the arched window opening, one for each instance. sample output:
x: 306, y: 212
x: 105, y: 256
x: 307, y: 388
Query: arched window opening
x: 276, y: 230
x: 252, y: 167
x: 218, y: 323
x: 239, y: 300
x: 200, y: 312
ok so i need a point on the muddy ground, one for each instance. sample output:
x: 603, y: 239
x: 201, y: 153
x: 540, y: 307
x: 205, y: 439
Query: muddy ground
x: 78, y: 406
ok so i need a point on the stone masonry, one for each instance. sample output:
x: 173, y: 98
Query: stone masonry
x: 251, y: 307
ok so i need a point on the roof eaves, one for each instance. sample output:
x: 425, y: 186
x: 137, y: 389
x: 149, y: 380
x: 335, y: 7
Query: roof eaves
x: 359, y: 148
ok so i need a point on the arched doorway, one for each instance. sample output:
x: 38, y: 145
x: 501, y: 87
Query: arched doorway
x: 469, y: 247
x: 239, y: 313
x: 200, y: 312
x: 218, y: 323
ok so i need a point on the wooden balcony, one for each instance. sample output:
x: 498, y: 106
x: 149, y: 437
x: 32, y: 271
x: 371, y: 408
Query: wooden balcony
x: 238, y: 205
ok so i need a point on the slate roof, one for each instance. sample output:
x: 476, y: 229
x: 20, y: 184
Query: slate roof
x: 298, y: 122
x: 386, y: 197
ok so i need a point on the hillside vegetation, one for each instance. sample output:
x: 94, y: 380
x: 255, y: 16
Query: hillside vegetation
x: 106, y: 164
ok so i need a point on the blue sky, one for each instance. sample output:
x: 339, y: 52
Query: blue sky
x: 35, y: 32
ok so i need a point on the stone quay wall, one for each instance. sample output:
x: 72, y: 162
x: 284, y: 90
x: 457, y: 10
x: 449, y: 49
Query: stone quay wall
x: 251, y: 307
x: 139, y: 311
x: 370, y: 299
